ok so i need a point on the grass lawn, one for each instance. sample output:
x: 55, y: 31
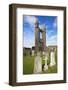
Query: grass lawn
x: 28, y: 65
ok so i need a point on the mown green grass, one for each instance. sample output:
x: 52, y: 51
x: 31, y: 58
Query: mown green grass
x: 28, y: 65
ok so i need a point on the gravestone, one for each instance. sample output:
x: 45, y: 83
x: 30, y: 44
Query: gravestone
x: 43, y: 53
x: 38, y: 64
x: 46, y: 66
x: 52, y: 58
x: 32, y: 52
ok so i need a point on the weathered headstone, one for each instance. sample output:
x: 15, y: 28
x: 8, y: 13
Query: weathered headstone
x: 52, y: 58
x: 46, y: 66
x: 38, y: 64
x: 43, y: 53
x: 32, y: 52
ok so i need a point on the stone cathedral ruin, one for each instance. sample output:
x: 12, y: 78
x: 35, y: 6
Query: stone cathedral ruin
x: 40, y: 38
x: 40, y: 50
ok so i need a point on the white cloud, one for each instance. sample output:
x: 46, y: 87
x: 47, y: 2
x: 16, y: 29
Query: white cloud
x: 52, y: 40
x: 29, y: 42
x: 49, y: 41
x: 55, y: 23
x: 42, y: 26
x: 31, y: 20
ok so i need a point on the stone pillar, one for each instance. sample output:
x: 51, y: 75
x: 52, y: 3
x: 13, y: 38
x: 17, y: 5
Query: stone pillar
x: 38, y: 64
x: 36, y: 36
x: 52, y: 58
x: 44, y: 40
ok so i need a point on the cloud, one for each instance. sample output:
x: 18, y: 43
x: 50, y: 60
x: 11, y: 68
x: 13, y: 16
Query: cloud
x: 29, y: 37
x: 51, y: 40
x: 55, y: 23
x: 29, y: 41
x: 42, y: 26
x: 29, y: 31
x: 30, y: 20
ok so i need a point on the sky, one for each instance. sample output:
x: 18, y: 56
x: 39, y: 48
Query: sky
x: 50, y: 24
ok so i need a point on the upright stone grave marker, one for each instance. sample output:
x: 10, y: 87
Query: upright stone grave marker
x: 38, y: 64
x: 52, y: 58
x: 46, y: 59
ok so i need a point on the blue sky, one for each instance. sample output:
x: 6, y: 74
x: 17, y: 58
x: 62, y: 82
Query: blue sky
x: 49, y: 22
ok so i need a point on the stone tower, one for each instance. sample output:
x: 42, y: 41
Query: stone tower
x: 36, y: 35
x: 40, y: 38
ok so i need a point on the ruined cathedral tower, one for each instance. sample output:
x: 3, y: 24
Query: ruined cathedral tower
x: 40, y: 38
